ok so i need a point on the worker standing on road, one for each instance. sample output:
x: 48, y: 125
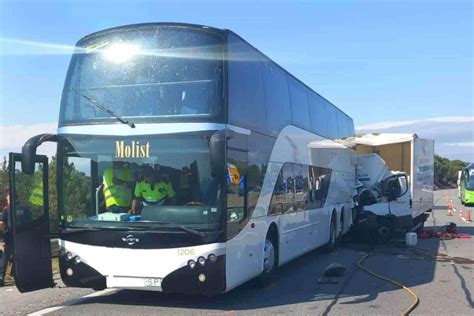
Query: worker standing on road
x: 151, y: 191
x: 117, y: 186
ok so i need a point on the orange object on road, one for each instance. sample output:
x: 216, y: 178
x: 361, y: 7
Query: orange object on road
x: 450, y: 210
x: 468, y: 216
x: 460, y: 213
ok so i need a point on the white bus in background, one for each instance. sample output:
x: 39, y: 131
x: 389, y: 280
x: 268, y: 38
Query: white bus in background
x: 247, y: 147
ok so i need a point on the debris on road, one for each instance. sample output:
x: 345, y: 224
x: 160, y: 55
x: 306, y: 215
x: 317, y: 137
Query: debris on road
x: 334, y: 270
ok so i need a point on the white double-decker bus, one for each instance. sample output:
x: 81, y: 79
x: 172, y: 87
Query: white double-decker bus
x: 248, y: 149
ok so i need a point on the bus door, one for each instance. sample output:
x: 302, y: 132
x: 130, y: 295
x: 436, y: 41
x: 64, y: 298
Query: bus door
x: 29, y: 225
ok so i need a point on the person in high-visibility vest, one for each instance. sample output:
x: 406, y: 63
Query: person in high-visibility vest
x: 118, y: 182
x: 152, y: 191
x: 36, y: 195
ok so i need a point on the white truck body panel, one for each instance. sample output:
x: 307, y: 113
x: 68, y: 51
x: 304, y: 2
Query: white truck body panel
x: 422, y: 175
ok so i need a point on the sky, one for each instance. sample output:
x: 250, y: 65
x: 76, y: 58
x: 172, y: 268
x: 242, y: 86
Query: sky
x: 379, y: 61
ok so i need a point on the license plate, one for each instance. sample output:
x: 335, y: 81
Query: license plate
x: 152, y: 282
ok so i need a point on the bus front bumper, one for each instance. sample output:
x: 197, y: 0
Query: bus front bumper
x: 206, y: 279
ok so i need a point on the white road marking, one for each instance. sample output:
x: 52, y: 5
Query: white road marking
x: 47, y: 310
x: 71, y: 302
x: 99, y: 293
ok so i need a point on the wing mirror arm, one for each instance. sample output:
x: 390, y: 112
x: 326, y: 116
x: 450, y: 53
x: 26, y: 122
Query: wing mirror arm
x: 28, y: 151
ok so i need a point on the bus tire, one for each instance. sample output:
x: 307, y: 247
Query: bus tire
x: 340, y: 230
x: 331, y: 245
x: 270, y: 256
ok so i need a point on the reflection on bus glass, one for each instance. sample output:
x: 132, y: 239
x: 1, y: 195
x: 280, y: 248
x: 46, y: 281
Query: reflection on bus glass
x: 140, y: 73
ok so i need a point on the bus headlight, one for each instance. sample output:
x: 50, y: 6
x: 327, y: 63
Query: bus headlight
x: 212, y: 258
x: 69, y: 272
x: 69, y: 255
x: 202, y: 261
x: 77, y: 260
x: 191, y: 264
x: 202, y: 277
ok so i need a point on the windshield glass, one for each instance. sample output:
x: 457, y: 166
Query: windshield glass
x: 149, y: 73
x: 470, y: 180
x: 140, y: 181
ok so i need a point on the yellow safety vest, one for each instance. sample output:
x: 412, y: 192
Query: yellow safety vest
x: 117, y: 194
x: 154, y: 194
x: 36, y: 196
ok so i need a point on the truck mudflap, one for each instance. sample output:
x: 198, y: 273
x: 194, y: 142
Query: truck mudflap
x: 380, y: 228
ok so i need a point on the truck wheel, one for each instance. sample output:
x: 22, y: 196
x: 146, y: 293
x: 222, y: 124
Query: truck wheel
x: 331, y: 245
x: 384, y: 234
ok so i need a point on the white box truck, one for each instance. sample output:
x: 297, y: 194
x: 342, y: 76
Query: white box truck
x: 403, y: 154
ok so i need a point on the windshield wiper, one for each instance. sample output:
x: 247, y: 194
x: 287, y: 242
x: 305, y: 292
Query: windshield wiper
x: 183, y: 228
x: 96, y: 103
x: 98, y: 228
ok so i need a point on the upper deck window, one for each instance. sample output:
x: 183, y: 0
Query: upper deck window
x: 147, y: 73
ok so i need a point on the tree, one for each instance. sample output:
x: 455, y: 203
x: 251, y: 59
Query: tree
x: 4, y: 175
x: 446, y: 171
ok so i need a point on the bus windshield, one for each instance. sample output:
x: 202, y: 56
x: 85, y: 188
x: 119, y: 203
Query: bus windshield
x: 470, y: 180
x: 147, y: 73
x: 168, y: 176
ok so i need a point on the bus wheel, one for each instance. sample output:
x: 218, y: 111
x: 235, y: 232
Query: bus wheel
x: 331, y: 245
x: 340, y: 227
x: 270, y: 259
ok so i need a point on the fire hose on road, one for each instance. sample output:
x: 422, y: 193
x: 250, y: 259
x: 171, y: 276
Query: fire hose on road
x: 416, y: 299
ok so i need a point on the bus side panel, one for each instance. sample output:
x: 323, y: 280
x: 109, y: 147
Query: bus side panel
x: 244, y: 253
x: 422, y: 176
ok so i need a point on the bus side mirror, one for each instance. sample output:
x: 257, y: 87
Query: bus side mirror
x: 28, y: 151
x: 217, y: 145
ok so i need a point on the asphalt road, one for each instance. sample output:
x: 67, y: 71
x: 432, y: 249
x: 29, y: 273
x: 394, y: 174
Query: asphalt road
x: 443, y: 285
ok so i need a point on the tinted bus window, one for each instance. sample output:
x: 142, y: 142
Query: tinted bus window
x: 283, y: 193
x: 317, y: 114
x: 246, y: 89
x: 319, y: 180
x: 301, y: 186
x: 350, y: 126
x: 299, y: 104
x: 277, y: 99
x: 342, y: 124
x: 331, y: 117
x: 122, y: 71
